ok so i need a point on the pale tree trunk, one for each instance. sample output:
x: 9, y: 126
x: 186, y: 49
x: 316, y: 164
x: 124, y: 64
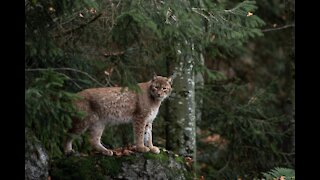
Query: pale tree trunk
x: 293, y: 114
x: 199, y: 85
x: 199, y: 80
x: 181, y: 106
x: 181, y: 126
x: 293, y: 117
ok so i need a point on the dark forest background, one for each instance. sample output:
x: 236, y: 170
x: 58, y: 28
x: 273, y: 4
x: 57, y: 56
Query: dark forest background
x: 233, y: 105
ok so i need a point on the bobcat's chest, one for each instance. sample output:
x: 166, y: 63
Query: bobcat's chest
x: 152, y: 114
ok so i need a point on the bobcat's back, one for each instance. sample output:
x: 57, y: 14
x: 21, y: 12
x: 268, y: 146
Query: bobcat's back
x: 116, y: 105
x: 112, y: 105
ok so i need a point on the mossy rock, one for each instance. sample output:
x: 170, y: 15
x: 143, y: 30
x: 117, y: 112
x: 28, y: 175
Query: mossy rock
x: 36, y: 158
x: 165, y: 165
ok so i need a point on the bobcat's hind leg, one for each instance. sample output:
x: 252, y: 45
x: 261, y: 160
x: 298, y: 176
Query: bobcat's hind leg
x: 95, y: 133
x: 76, y: 130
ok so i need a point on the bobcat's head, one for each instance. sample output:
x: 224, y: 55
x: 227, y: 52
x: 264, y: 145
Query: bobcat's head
x: 160, y: 87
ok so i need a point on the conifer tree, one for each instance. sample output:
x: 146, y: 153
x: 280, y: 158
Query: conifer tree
x: 73, y: 45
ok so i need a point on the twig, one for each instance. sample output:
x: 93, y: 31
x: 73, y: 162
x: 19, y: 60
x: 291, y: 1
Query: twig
x: 76, y: 84
x: 66, y: 69
x: 194, y: 10
x: 79, y: 27
x: 225, y: 166
x: 107, y: 54
x: 233, y: 9
x: 279, y: 28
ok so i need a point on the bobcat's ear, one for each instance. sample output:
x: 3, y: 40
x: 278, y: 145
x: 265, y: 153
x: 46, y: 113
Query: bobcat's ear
x: 170, y: 79
x: 154, y: 76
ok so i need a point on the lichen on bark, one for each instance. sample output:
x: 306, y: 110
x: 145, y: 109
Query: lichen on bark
x: 181, y: 136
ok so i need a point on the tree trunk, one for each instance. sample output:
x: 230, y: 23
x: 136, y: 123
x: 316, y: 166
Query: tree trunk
x: 199, y: 84
x: 181, y: 126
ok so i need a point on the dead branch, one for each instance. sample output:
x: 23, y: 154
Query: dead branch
x: 279, y: 28
x: 66, y: 69
x: 79, y: 27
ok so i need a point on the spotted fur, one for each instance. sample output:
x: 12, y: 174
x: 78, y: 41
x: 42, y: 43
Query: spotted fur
x: 116, y: 105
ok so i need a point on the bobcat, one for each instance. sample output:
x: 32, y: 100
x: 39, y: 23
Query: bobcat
x: 116, y: 105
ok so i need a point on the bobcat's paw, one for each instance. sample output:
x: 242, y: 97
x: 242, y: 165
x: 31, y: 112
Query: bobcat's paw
x: 142, y: 149
x: 107, y: 153
x: 155, y: 149
x: 71, y: 153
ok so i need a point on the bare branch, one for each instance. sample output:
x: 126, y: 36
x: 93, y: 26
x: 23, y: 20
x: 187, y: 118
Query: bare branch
x: 279, y: 28
x: 196, y: 11
x: 76, y: 84
x: 79, y: 27
x: 107, y: 54
x: 66, y: 69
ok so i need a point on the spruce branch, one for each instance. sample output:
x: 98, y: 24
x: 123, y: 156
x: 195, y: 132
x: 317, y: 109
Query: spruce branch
x: 66, y: 69
x: 201, y: 14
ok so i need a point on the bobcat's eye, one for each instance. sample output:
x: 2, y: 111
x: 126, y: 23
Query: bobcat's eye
x: 164, y: 88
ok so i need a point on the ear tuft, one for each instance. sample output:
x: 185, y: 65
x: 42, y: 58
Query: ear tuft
x: 154, y: 76
x: 170, y: 79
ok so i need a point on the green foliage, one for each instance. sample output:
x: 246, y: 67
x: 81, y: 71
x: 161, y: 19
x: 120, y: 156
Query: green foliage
x: 175, y: 23
x: 46, y: 22
x: 254, y: 131
x: 162, y: 156
x: 86, y: 168
x: 233, y: 24
x: 251, y: 110
x: 229, y: 29
x: 121, y: 135
x: 136, y: 23
x: 133, y: 39
x: 49, y: 111
x: 278, y: 172
x: 103, y: 167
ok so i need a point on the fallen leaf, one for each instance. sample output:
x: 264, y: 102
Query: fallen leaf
x: 51, y: 9
x: 108, y: 71
x: 189, y: 161
x: 92, y: 10
x: 249, y: 14
x: 127, y: 152
x: 117, y: 153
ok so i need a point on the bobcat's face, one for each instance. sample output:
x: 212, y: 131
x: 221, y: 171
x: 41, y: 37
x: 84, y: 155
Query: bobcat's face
x: 160, y: 87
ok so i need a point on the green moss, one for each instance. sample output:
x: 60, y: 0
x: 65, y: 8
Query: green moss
x: 162, y: 156
x: 105, y: 167
x: 179, y: 159
x: 81, y: 168
x: 110, y: 165
x: 189, y: 175
x: 90, y: 167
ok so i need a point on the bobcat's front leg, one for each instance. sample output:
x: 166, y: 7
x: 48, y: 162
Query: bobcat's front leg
x: 138, y: 128
x: 95, y: 133
x: 148, y: 130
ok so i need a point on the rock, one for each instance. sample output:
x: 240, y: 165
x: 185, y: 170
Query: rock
x: 132, y: 167
x: 36, y: 158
